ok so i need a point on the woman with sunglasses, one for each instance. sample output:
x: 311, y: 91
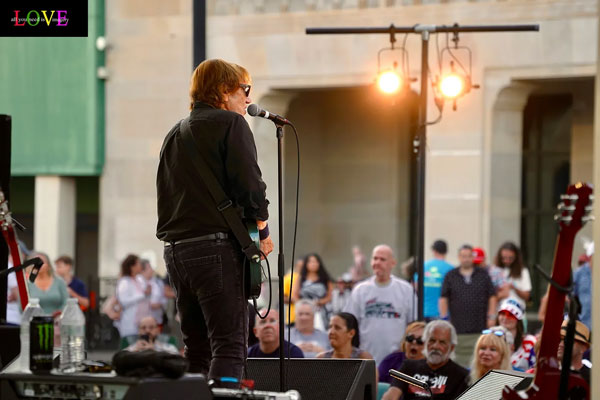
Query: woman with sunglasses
x: 411, y: 348
x: 491, y: 352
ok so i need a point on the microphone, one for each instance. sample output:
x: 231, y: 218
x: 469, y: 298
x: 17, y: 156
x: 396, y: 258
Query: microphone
x: 410, y: 380
x: 256, y: 111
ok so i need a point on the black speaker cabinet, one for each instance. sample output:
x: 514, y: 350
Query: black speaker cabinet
x: 317, y: 379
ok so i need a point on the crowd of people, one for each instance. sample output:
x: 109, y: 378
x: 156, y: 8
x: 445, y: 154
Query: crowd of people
x: 479, y: 323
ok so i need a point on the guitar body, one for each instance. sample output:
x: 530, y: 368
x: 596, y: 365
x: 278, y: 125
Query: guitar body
x: 573, y: 214
x: 253, y: 270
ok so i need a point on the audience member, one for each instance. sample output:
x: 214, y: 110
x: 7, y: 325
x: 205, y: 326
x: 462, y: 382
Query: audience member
x: 518, y: 282
x: 445, y: 378
x: 158, y: 300
x: 13, y: 305
x: 491, y: 352
x: 149, y: 338
x: 510, y: 316
x: 133, y: 294
x: 435, y: 270
x: 383, y: 304
x: 267, y: 332
x: 49, y: 288
x: 358, y: 271
x: 304, y: 335
x: 344, y: 338
x: 75, y: 286
x: 496, y: 273
x: 411, y: 348
x: 340, y: 296
x: 469, y: 300
x: 580, y: 345
x: 582, y: 289
x: 314, y: 283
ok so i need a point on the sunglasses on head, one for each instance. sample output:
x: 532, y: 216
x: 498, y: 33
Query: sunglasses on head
x: 246, y: 88
x: 413, y: 338
x: 495, y: 332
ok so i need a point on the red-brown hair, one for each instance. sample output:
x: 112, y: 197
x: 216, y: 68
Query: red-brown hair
x: 212, y: 78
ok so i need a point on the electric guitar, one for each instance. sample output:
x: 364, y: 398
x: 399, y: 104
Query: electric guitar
x: 253, y: 270
x: 573, y: 213
x: 10, y: 236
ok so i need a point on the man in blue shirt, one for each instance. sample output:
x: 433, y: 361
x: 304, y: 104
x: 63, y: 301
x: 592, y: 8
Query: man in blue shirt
x: 435, y: 270
x: 267, y: 332
x: 582, y: 289
x: 75, y: 286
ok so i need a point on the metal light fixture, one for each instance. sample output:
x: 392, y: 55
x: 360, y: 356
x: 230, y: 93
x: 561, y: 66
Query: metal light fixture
x: 393, y: 80
x: 455, y: 82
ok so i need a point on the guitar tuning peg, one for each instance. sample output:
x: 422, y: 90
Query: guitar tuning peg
x: 591, y: 197
x: 564, y: 207
x: 588, y: 218
x: 588, y: 208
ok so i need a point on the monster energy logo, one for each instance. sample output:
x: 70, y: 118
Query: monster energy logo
x: 45, y: 335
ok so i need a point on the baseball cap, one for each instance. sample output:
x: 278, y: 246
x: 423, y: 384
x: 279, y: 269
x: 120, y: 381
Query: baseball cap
x: 513, y: 306
x: 478, y: 255
x: 440, y: 246
x: 582, y: 333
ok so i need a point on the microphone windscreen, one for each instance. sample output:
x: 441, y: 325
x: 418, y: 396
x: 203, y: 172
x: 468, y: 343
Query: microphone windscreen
x: 254, y: 110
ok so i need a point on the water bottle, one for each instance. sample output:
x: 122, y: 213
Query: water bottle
x: 33, y: 309
x: 72, y: 337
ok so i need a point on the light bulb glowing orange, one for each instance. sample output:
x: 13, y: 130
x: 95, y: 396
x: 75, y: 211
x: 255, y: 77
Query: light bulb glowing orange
x: 452, y: 86
x: 389, y: 82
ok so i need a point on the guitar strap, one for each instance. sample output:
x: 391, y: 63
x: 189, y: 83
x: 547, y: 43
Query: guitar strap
x: 224, y: 204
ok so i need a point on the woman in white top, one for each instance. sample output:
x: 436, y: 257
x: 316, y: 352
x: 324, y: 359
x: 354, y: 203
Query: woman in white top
x: 133, y: 295
x: 518, y: 282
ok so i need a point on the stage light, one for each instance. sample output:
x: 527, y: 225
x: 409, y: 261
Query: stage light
x: 452, y: 86
x: 389, y: 82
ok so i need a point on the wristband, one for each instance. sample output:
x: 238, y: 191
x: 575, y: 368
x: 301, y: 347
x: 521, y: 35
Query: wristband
x: 264, y: 232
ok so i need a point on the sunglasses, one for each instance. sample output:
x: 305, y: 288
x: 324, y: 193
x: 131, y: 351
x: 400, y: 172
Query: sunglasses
x: 413, y: 338
x: 495, y: 332
x: 246, y: 88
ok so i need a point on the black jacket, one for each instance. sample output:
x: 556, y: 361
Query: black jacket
x: 185, y: 207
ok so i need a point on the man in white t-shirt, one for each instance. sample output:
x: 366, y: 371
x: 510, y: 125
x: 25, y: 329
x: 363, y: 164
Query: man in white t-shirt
x: 383, y: 305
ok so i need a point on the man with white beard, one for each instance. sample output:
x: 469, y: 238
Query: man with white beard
x: 445, y: 378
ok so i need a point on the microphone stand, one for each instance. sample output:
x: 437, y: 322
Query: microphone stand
x: 36, y: 262
x: 280, y: 257
x: 410, y: 380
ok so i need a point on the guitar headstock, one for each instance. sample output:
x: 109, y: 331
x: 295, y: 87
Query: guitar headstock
x: 5, y: 218
x: 575, y: 207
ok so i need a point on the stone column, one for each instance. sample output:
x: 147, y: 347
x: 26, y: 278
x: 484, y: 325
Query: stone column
x: 55, y: 212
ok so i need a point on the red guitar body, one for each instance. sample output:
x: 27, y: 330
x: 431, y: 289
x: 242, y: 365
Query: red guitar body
x: 545, y: 386
x: 8, y: 231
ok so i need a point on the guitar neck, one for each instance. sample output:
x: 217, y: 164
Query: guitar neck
x: 561, y: 274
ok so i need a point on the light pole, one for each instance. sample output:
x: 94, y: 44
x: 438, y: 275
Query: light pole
x: 421, y: 135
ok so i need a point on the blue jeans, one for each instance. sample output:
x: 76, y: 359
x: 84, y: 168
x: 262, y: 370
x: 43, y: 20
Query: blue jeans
x: 208, y: 279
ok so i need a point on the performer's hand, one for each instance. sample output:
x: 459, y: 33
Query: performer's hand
x: 266, y: 246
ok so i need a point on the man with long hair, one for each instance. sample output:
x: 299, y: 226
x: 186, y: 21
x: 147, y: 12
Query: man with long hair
x: 203, y: 258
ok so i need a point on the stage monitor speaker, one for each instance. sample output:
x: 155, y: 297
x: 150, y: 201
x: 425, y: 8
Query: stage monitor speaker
x: 317, y: 379
x: 10, y: 345
x: 491, y: 384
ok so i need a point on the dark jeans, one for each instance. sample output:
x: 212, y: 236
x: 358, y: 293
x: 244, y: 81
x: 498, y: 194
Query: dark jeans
x: 207, y: 277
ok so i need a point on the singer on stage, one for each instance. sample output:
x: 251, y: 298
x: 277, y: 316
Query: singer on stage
x: 204, y: 260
